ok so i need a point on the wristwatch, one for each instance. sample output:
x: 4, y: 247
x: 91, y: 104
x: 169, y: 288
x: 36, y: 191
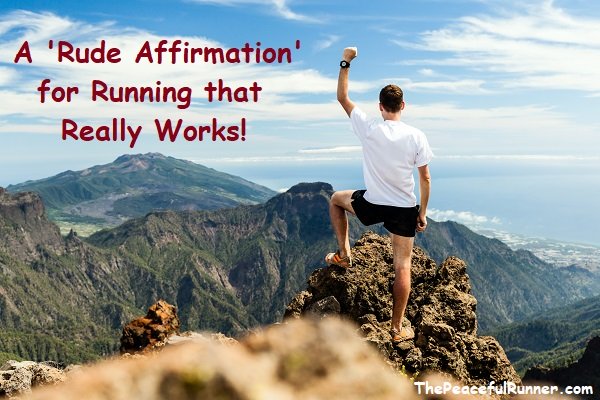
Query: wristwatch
x: 344, y: 64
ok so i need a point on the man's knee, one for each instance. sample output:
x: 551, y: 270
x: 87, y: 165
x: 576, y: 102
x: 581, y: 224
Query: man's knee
x: 340, y: 197
x: 402, y: 248
x: 402, y: 264
x: 343, y: 199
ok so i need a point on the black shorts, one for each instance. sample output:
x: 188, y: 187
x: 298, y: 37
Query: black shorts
x: 400, y: 221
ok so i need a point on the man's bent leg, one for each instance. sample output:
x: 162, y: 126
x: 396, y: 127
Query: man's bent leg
x: 402, y: 247
x: 340, y: 203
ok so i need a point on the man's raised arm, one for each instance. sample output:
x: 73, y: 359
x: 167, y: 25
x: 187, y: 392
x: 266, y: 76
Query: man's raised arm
x: 342, y: 89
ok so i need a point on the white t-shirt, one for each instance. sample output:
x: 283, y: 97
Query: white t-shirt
x: 391, y: 151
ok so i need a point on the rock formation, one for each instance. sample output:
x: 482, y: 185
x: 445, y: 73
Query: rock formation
x: 152, y: 331
x: 25, y: 232
x: 441, y: 310
x: 17, y: 378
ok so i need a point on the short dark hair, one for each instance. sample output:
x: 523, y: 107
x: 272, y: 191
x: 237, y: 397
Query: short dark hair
x: 391, y: 97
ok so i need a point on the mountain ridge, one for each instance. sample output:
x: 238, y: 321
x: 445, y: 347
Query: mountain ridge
x: 553, y: 339
x: 134, y: 184
x: 519, y: 275
x: 226, y: 270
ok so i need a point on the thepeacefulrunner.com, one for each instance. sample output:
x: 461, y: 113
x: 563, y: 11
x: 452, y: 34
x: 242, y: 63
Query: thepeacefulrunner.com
x: 499, y: 388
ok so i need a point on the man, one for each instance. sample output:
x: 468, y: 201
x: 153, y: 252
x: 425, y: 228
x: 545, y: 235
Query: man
x: 391, y: 151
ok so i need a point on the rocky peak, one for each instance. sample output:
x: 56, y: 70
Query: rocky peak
x: 25, y: 230
x: 302, y: 197
x: 311, y: 187
x: 441, y: 310
x: 139, y: 157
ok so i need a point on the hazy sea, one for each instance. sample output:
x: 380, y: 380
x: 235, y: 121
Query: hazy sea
x: 548, y: 198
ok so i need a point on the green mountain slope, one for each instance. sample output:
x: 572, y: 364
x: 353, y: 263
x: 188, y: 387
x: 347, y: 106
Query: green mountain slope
x: 63, y: 299
x: 133, y: 185
x: 509, y: 285
x: 554, y: 339
x: 53, y: 288
x: 226, y: 270
x: 260, y: 254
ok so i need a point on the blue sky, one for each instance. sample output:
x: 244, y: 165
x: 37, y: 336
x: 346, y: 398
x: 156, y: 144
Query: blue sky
x: 505, y: 81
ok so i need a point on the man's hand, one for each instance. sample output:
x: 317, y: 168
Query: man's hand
x: 342, y: 89
x: 349, y: 53
x: 421, y: 223
x: 425, y: 189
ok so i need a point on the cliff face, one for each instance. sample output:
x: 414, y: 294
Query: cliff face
x: 53, y: 288
x: 25, y: 232
x: 441, y: 310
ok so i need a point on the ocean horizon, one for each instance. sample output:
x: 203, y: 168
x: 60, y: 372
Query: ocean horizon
x: 546, y: 198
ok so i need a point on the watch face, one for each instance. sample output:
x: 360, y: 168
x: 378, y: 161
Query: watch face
x: 344, y: 64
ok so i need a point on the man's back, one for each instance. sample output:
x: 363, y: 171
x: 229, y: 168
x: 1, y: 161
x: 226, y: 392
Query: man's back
x: 391, y: 151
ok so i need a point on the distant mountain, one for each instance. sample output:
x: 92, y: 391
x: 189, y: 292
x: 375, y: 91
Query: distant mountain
x: 509, y: 285
x: 554, y: 339
x: 134, y: 185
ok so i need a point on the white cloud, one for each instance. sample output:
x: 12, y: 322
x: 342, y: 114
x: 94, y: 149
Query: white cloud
x: 329, y: 150
x: 466, y: 86
x: 487, y: 121
x: 327, y: 42
x: 274, y: 159
x: 539, y: 46
x: 279, y: 7
x: 7, y: 76
x: 464, y: 217
x: 521, y: 157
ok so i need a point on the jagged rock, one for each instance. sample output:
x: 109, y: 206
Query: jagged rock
x: 584, y: 372
x: 25, y: 231
x: 152, y: 331
x: 325, y: 307
x: 441, y: 309
x: 17, y: 378
x: 305, y: 359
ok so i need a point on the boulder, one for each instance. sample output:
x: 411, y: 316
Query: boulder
x: 152, y: 331
x: 19, y: 377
